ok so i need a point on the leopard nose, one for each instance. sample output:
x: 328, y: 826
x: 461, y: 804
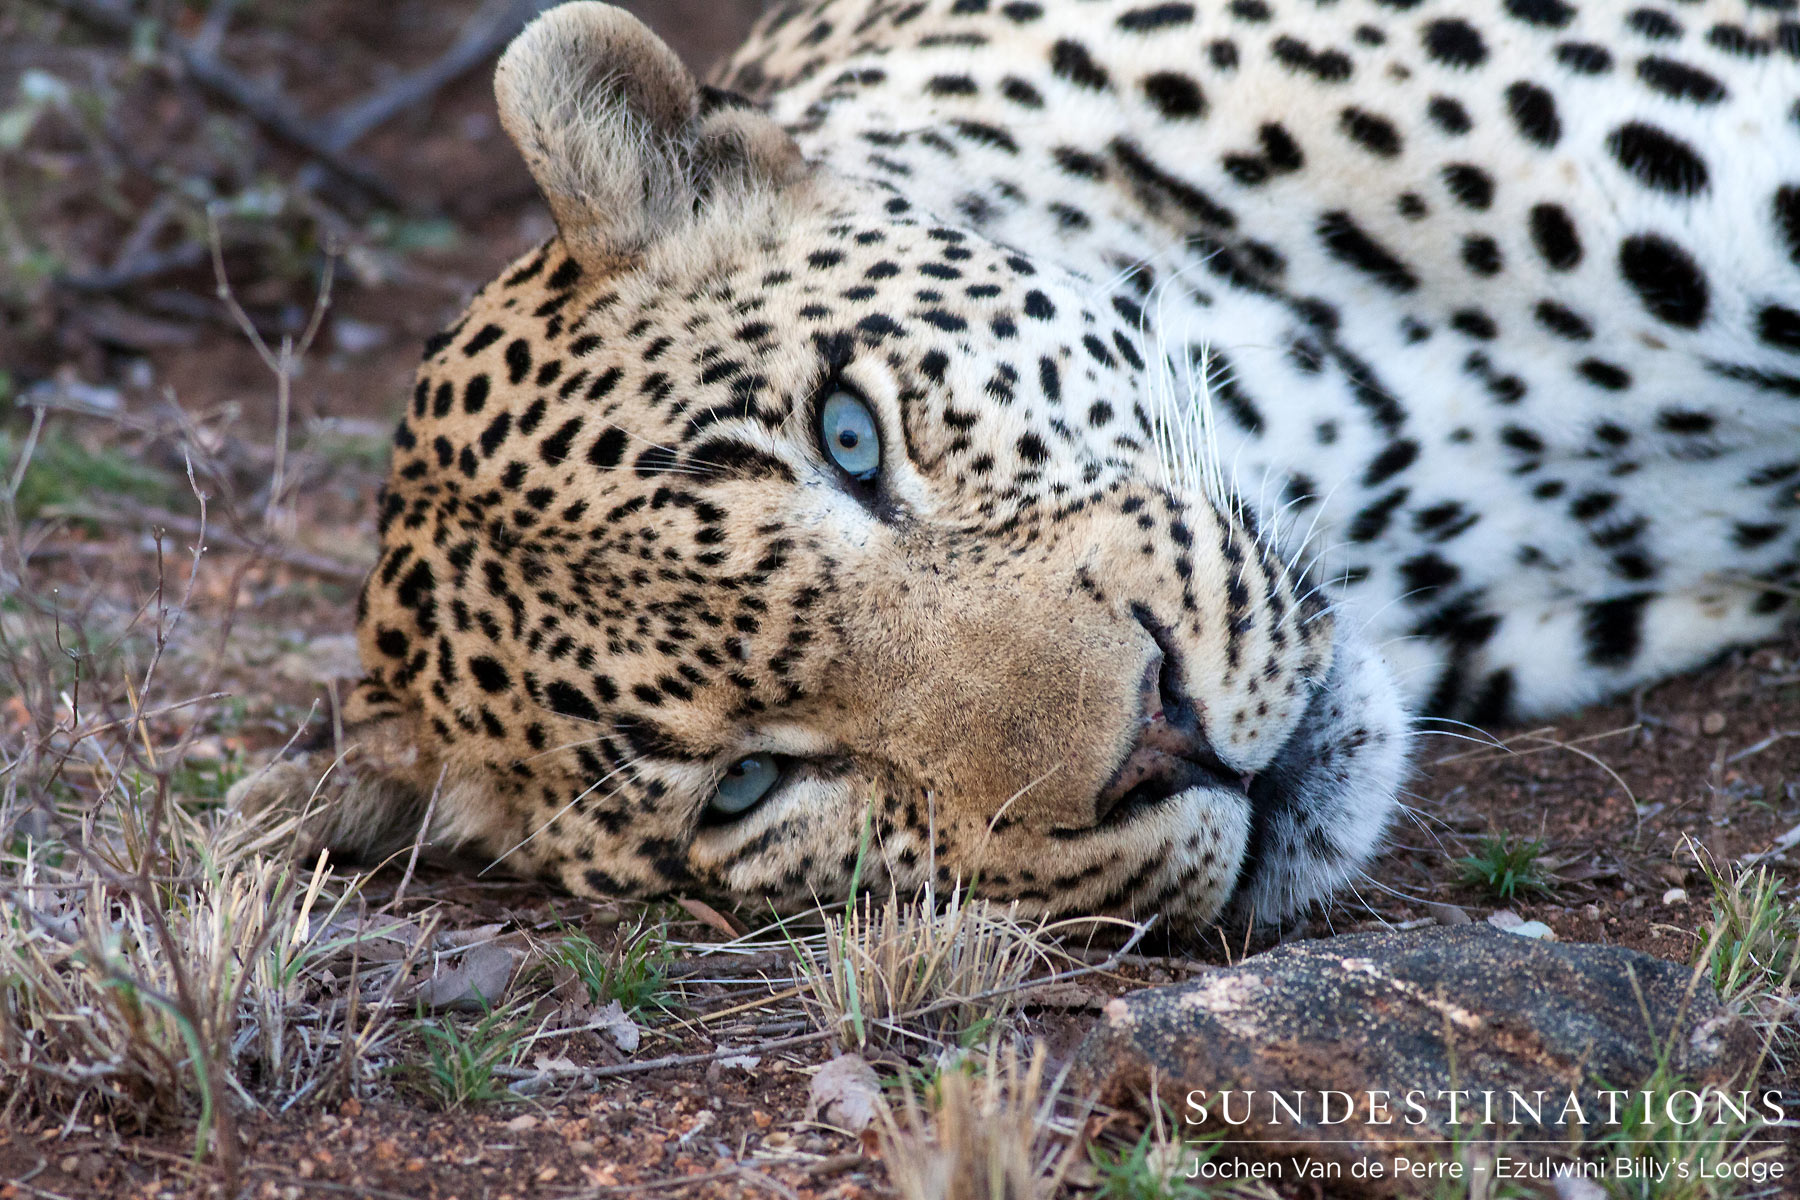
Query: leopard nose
x: 1169, y: 754
x: 1150, y: 692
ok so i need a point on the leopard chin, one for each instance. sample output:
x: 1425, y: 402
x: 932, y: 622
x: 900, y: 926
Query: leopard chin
x: 1320, y: 811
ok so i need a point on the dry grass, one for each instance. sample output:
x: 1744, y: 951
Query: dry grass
x: 1752, y: 950
x: 1728, y: 1154
x: 1160, y: 1165
x: 992, y: 1134
x: 1748, y: 956
x: 160, y: 962
x: 199, y: 987
x: 163, y: 965
x: 912, y: 973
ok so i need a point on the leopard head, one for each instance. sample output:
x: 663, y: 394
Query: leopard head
x: 761, y: 527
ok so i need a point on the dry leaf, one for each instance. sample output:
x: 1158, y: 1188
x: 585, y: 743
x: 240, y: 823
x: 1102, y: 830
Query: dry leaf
x: 475, y: 983
x: 845, y: 1093
x: 1581, y: 872
x: 700, y: 910
x: 549, y: 1071
x: 618, y: 1026
x: 1447, y: 914
x: 388, y: 942
x: 567, y: 988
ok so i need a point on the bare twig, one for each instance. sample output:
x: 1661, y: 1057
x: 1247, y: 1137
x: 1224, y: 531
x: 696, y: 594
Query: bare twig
x: 218, y: 18
x: 282, y: 1176
x: 1142, y: 962
x: 675, y: 1182
x: 1778, y: 847
x: 747, y: 1006
x: 412, y: 859
x: 1759, y: 747
x: 282, y: 362
x: 25, y: 453
x: 730, y: 964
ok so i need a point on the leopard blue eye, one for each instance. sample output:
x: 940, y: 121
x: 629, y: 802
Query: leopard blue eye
x: 851, y: 438
x: 745, y: 783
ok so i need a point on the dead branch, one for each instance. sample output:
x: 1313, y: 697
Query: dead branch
x: 486, y: 32
x: 303, y: 560
x: 730, y: 965
x: 674, y: 1182
x: 1142, y: 962
x: 137, y: 268
x: 269, y: 109
x: 688, y: 1060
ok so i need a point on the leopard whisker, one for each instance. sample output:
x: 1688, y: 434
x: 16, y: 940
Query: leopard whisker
x: 555, y: 816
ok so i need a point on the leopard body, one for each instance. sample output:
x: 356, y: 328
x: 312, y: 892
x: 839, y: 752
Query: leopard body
x: 1249, y: 376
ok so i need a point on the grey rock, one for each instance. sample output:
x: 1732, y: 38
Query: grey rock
x: 1427, y: 1012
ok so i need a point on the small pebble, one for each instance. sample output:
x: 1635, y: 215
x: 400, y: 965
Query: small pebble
x: 357, y: 337
x: 1674, y: 895
x: 1512, y: 922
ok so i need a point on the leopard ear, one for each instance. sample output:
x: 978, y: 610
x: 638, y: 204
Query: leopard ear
x: 624, y: 144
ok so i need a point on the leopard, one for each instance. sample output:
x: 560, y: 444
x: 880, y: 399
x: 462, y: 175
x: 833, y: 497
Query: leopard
x: 1065, y: 449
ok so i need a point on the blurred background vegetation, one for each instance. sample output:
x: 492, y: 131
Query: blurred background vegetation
x: 305, y: 129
